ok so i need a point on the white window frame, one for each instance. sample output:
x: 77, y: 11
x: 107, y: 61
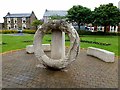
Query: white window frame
x: 23, y: 25
x: 8, y: 19
x: 23, y: 19
x: 9, y: 26
x: 15, y: 19
x: 15, y: 25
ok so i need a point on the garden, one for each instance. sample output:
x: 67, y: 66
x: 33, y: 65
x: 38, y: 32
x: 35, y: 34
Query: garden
x: 13, y: 42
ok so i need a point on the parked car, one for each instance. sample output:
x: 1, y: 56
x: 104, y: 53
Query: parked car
x: 19, y: 30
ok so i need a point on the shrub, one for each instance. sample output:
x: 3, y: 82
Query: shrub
x: 28, y: 41
x: 29, y: 31
x: 93, y: 42
x: 84, y: 32
x: 8, y: 31
x: 16, y: 31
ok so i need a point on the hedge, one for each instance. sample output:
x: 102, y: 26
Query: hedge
x: 80, y: 32
x: 8, y: 31
x: 84, y: 32
x: 94, y: 42
x: 16, y: 31
x: 29, y: 31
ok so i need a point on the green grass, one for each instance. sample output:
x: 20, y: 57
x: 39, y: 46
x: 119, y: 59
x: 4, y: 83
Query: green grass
x: 16, y: 42
x: 113, y: 40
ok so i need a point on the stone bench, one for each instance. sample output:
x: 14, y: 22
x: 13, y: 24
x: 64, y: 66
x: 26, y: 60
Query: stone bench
x: 45, y: 47
x: 104, y: 55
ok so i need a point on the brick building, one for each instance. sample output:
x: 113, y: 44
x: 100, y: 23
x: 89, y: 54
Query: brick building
x: 19, y: 21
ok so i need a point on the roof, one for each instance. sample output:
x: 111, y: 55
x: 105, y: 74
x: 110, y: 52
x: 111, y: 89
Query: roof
x: 55, y: 12
x: 18, y: 15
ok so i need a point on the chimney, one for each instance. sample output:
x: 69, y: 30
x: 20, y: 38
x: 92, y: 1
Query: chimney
x: 32, y: 12
x: 8, y: 13
x: 46, y: 10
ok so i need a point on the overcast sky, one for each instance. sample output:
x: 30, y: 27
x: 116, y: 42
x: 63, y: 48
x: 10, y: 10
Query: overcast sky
x: 39, y: 6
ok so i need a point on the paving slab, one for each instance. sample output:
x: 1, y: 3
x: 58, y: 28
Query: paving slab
x: 19, y: 70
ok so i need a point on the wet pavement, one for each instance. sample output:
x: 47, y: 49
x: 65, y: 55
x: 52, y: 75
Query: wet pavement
x: 20, y: 70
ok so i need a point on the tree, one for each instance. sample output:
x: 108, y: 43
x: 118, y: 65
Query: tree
x: 36, y: 23
x: 79, y: 14
x: 105, y: 15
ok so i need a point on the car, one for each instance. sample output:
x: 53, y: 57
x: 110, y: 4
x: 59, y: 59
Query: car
x: 19, y: 30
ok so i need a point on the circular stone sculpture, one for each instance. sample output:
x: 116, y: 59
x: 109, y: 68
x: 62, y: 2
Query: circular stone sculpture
x: 74, y: 44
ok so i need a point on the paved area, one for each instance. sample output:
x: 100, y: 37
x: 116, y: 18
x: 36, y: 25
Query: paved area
x: 19, y: 70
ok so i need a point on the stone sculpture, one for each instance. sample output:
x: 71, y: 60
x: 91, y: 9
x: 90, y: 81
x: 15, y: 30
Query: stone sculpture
x: 63, y: 26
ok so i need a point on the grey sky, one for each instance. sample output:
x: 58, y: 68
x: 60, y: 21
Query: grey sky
x: 39, y: 6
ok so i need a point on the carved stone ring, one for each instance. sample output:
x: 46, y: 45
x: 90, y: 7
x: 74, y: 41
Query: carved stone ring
x: 74, y: 44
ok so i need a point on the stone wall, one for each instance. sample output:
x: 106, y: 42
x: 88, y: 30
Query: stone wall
x: 19, y: 22
x: 32, y: 18
x: 5, y: 23
x: 1, y: 26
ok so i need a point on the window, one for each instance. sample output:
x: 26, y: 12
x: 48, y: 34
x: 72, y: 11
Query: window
x: 9, y: 26
x: 8, y: 20
x: 15, y: 20
x: 15, y: 26
x: 23, y: 20
x: 99, y: 28
x: 23, y: 26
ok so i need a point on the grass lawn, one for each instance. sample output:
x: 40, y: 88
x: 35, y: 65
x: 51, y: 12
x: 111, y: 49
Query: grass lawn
x: 113, y: 40
x: 19, y: 42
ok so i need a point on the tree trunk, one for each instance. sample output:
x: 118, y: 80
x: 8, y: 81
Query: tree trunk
x: 114, y: 28
x: 95, y: 28
x: 78, y: 26
x: 118, y: 28
x: 105, y: 29
x: 36, y: 28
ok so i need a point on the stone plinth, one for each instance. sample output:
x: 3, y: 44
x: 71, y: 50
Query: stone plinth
x: 58, y: 44
x: 45, y: 47
x: 29, y: 49
x: 104, y: 55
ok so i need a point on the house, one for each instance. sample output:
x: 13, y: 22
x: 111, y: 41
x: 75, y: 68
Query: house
x: 49, y: 13
x: 19, y: 21
x: 108, y: 29
x: 1, y: 26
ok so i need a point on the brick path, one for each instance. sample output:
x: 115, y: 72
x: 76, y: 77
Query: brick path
x: 19, y: 70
